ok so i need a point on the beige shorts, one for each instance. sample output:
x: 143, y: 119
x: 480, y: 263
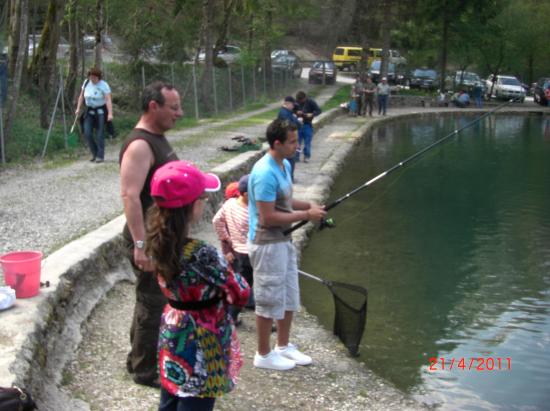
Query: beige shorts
x: 276, y: 287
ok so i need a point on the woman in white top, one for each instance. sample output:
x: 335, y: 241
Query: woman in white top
x: 96, y: 93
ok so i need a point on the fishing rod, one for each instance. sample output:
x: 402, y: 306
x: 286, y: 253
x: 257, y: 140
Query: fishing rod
x: 329, y: 223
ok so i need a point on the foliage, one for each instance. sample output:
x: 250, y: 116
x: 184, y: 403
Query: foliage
x: 341, y: 96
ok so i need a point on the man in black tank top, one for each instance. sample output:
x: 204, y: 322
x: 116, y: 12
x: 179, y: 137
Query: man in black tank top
x: 144, y: 150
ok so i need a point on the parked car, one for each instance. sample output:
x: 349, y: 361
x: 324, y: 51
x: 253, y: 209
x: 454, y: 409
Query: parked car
x: 540, y: 86
x: 464, y: 80
x: 320, y: 69
x: 397, y: 74
x: 376, y: 54
x: 423, y: 78
x: 282, y: 52
x: 62, y: 48
x: 505, y: 87
x: 89, y: 41
x: 229, y: 54
x: 289, y: 63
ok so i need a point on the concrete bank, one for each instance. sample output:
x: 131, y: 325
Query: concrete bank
x: 41, y: 335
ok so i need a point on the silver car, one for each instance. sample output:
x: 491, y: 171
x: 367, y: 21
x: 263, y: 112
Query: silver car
x: 505, y: 87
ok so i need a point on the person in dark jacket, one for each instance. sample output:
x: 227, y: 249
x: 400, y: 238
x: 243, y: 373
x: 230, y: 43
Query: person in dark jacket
x: 306, y: 108
x: 287, y: 112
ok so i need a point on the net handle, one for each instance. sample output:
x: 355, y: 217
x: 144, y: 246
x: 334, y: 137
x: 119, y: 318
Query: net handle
x: 311, y: 276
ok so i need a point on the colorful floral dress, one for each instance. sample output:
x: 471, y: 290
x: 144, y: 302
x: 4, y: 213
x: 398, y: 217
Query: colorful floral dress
x: 199, y: 354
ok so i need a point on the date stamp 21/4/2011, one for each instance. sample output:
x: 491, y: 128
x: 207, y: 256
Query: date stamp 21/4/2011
x: 470, y: 364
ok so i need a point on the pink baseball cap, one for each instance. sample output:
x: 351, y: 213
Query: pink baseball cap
x: 179, y: 183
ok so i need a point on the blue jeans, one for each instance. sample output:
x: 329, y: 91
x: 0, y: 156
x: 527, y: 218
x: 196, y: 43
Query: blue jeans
x: 95, y: 119
x: 479, y: 101
x: 169, y: 402
x: 305, y: 135
x: 382, y: 103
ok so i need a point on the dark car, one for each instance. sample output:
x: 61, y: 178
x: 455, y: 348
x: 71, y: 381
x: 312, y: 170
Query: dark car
x: 542, y: 84
x: 321, y: 69
x: 423, y: 78
x: 289, y: 63
x: 374, y: 72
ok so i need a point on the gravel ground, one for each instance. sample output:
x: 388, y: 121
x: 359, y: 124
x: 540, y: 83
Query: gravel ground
x: 43, y: 207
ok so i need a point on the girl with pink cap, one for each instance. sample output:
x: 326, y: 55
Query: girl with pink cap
x: 199, y: 354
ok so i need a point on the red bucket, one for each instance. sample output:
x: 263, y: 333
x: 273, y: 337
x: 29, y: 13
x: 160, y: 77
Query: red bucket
x: 22, y: 272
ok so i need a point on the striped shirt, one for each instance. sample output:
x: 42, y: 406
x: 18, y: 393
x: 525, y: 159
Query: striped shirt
x: 231, y: 226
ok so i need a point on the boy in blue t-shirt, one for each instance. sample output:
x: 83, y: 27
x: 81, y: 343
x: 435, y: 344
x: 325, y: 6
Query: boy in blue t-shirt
x: 272, y: 210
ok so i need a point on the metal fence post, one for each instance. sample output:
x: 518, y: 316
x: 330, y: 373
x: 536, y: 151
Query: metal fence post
x: 51, y: 124
x: 61, y: 85
x: 254, y: 82
x: 272, y: 81
x: 230, y: 88
x: 195, y: 95
x: 214, y: 90
x: 243, y: 85
x: 324, y: 75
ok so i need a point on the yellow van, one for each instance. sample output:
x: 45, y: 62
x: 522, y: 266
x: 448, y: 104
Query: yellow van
x: 347, y: 57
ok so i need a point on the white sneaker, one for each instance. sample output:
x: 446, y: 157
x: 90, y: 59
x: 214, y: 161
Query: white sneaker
x: 273, y: 361
x: 292, y: 353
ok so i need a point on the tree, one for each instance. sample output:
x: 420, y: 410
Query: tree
x: 22, y: 13
x: 43, y: 66
x: 99, y: 26
x: 74, y: 43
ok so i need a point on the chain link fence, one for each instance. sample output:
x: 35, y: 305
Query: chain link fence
x: 231, y: 87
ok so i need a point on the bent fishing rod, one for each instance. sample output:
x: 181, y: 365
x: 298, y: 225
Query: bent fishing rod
x: 328, y: 223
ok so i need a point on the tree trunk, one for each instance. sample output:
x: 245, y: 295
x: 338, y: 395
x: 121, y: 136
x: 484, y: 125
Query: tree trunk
x: 14, y: 34
x: 43, y: 66
x: 207, y: 78
x: 386, y: 38
x: 228, y: 6
x: 23, y: 15
x: 444, y: 46
x: 266, y: 46
x: 70, y: 84
x: 98, y: 31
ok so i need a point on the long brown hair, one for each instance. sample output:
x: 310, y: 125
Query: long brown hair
x: 167, y: 231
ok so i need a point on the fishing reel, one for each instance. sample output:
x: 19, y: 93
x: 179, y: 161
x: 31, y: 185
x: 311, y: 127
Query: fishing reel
x: 327, y: 223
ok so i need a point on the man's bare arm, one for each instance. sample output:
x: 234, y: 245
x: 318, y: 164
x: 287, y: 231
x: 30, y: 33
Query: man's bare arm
x: 269, y: 216
x: 136, y: 162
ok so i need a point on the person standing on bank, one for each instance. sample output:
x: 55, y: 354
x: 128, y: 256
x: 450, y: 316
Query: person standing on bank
x: 144, y: 150
x: 370, y: 91
x: 271, y: 211
x: 383, y: 90
x: 199, y: 355
x: 307, y: 109
x: 96, y: 94
x: 287, y: 112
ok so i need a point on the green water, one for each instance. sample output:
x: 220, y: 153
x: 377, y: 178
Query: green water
x: 455, y: 253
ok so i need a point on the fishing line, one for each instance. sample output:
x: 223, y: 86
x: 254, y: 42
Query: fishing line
x: 330, y: 223
x: 383, y: 194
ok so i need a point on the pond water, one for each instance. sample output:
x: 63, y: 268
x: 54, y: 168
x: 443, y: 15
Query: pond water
x: 455, y: 252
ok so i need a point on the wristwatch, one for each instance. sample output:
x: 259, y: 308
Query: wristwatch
x: 140, y: 244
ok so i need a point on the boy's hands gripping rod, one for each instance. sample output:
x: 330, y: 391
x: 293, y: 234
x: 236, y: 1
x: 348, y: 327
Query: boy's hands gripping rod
x: 329, y: 222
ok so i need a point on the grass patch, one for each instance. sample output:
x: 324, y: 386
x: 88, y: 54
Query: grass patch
x: 342, y: 95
